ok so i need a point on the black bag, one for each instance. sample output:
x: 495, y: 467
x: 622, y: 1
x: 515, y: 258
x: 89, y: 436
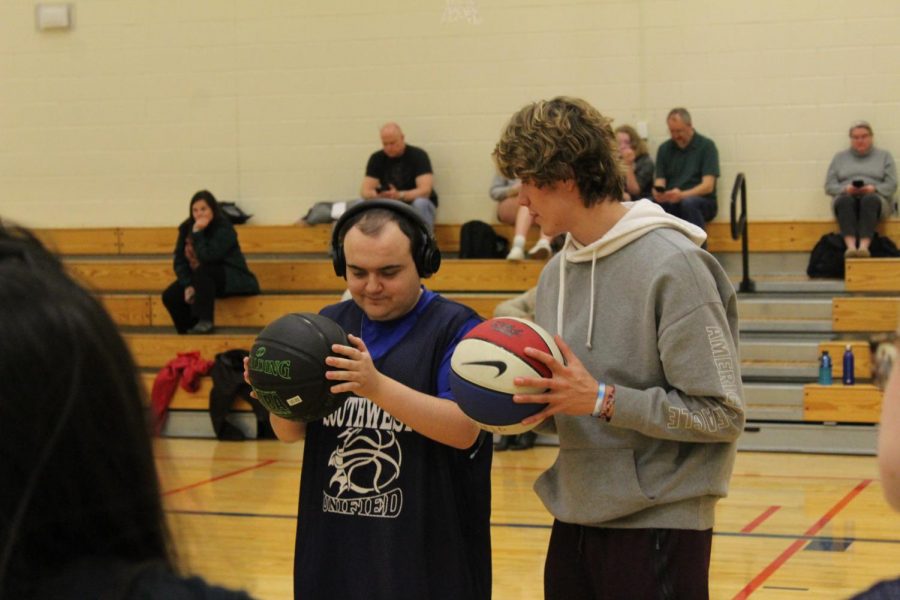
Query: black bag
x: 477, y: 239
x: 233, y: 213
x: 229, y: 385
x: 827, y: 257
x: 883, y: 247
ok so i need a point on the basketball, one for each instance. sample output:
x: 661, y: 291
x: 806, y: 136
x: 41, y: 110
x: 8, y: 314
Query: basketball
x: 486, y: 362
x: 287, y: 366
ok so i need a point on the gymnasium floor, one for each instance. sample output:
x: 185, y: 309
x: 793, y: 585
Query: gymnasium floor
x: 794, y: 526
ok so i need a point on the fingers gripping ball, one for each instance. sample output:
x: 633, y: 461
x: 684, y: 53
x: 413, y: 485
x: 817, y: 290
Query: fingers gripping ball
x: 287, y: 366
x: 485, y: 364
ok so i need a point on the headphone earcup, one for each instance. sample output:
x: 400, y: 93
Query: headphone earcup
x: 338, y: 261
x: 429, y: 259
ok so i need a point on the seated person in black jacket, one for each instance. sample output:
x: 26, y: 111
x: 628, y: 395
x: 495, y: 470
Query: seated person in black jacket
x: 209, y: 265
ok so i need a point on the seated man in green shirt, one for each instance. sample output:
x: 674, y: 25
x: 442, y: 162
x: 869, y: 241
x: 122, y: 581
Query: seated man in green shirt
x: 687, y: 167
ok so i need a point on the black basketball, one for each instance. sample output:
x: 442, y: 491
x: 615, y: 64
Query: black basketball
x: 287, y: 366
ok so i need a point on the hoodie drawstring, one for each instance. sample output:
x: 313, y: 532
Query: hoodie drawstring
x: 592, y: 300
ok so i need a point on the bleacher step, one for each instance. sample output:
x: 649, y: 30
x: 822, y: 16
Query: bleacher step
x: 773, y: 401
x: 809, y: 437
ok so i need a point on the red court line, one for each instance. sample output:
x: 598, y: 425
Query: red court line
x: 793, y: 548
x: 759, y: 520
x: 264, y: 463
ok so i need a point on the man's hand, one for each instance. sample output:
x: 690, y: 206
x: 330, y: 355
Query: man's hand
x: 189, y: 294
x: 571, y: 391
x: 356, y: 371
x: 390, y: 193
x: 674, y: 195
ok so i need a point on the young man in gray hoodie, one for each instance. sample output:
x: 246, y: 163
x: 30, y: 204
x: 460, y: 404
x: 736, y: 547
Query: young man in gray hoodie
x: 649, y: 403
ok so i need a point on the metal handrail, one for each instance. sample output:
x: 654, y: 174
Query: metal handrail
x: 739, y: 230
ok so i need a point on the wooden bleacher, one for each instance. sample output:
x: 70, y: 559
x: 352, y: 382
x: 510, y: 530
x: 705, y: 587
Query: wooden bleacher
x: 773, y: 236
x: 873, y: 275
x: 126, y: 274
x: 860, y: 403
x: 129, y: 267
x: 858, y: 314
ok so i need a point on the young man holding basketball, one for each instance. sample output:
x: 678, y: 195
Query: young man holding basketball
x: 395, y: 496
x: 648, y: 405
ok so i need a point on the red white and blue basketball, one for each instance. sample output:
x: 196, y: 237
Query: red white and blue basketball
x: 485, y: 364
x: 287, y: 366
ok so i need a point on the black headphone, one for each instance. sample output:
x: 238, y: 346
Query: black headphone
x: 425, y: 251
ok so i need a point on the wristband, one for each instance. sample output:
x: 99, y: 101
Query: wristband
x: 598, y: 405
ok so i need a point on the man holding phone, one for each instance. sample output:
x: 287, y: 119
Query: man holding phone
x: 862, y: 181
x: 687, y: 167
x: 401, y: 172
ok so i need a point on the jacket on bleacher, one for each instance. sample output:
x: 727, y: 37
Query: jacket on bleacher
x: 186, y: 369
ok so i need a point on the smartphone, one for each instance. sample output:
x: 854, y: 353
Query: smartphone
x: 857, y: 183
x: 659, y: 188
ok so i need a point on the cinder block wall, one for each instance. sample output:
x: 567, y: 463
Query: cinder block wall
x: 277, y: 103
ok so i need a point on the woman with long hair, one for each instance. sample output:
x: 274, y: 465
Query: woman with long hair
x: 80, y: 509
x: 208, y: 264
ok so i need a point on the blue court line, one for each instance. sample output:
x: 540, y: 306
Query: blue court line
x: 778, y: 536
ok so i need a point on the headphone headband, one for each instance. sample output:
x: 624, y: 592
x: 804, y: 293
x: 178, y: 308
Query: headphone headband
x: 425, y: 251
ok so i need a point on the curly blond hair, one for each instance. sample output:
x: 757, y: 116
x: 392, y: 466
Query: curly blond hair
x: 560, y: 139
x: 637, y: 144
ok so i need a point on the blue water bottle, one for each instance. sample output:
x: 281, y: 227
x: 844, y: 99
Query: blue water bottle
x: 825, y: 368
x: 849, y: 376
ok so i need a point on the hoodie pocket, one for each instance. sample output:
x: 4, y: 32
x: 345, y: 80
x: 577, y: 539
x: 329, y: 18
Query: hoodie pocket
x: 592, y: 486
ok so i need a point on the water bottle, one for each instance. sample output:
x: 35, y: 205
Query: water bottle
x: 825, y: 368
x: 849, y: 376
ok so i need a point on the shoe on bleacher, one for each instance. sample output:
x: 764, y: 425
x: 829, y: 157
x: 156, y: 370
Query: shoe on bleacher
x: 516, y: 253
x: 201, y: 328
x: 851, y: 253
x: 541, y: 250
x: 863, y: 253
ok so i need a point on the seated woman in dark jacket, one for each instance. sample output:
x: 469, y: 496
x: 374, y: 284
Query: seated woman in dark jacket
x: 209, y: 265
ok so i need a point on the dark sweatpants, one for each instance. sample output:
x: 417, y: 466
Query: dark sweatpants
x: 861, y: 225
x: 698, y: 210
x: 593, y: 563
x: 208, y: 282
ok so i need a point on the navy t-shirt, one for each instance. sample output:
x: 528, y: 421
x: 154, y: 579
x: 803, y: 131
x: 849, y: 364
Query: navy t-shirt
x: 400, y: 171
x: 386, y: 513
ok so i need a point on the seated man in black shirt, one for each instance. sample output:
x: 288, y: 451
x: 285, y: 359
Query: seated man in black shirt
x: 401, y: 172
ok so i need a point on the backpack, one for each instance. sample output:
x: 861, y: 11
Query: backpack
x: 883, y: 246
x: 827, y: 257
x: 233, y: 213
x: 477, y: 239
x: 229, y: 385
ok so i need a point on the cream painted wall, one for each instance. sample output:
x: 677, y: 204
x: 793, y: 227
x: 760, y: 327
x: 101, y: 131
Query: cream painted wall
x: 277, y: 103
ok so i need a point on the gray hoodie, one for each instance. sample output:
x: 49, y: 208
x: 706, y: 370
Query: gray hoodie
x: 646, y: 309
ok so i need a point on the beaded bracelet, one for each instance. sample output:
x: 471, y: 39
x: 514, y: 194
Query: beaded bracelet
x: 609, y: 405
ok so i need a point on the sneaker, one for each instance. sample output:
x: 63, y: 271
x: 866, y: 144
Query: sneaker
x: 504, y: 443
x: 201, y: 328
x: 863, y: 253
x: 524, y: 441
x: 516, y: 254
x: 851, y: 253
x: 541, y: 250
